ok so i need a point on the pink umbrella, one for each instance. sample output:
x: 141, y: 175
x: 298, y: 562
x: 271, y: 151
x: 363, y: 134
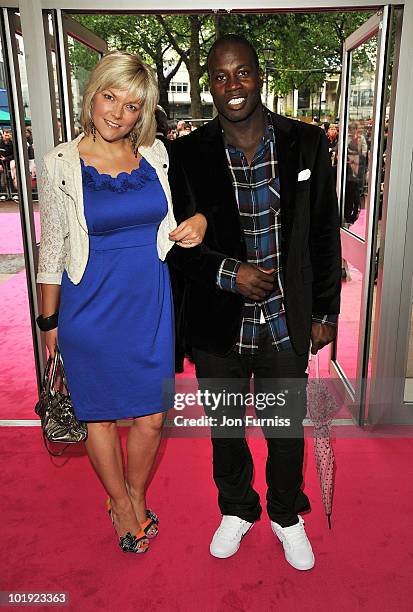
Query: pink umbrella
x: 322, y: 407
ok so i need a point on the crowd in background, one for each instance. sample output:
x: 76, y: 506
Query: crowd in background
x: 358, y: 148
x: 8, y: 170
x: 180, y: 128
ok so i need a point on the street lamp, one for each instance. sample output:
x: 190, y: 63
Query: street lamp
x: 319, y: 103
x: 268, y: 53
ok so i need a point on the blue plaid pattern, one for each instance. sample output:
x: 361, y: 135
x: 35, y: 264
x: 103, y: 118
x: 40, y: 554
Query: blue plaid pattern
x: 257, y: 189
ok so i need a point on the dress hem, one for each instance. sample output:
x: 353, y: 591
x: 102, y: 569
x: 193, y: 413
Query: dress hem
x: 88, y: 419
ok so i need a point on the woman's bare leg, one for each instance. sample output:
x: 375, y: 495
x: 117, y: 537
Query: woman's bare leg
x: 105, y: 453
x: 141, y: 448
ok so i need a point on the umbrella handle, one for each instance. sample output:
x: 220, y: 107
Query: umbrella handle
x: 317, y: 367
x: 317, y: 364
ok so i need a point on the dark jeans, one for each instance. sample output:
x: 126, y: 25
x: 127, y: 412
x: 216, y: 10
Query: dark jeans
x: 274, y: 371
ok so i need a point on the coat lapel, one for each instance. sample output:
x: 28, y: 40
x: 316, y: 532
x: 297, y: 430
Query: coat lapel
x: 219, y: 178
x: 216, y: 160
x: 287, y: 156
x: 70, y: 175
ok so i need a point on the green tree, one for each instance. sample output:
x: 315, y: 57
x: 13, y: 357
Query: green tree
x: 329, y: 32
x: 140, y: 34
x: 306, y: 46
x: 190, y: 36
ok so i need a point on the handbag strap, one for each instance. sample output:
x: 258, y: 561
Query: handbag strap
x: 46, y: 374
x: 57, y: 454
x: 57, y: 363
x: 62, y: 369
x: 48, y: 383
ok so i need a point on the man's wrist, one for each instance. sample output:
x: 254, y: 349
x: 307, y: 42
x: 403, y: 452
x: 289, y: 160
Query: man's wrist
x: 325, y: 319
x: 227, y: 274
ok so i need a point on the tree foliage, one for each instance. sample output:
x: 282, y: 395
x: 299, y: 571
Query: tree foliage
x: 303, y: 47
x: 140, y: 34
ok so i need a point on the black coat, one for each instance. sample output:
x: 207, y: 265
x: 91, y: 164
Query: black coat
x: 311, y: 256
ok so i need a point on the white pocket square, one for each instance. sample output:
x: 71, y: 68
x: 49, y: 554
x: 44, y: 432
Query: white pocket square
x: 304, y: 174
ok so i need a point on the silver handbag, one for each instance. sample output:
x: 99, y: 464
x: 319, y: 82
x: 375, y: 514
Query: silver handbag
x: 55, y: 408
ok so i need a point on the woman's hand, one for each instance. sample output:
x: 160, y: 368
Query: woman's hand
x: 50, y: 305
x: 190, y: 232
x: 51, y: 341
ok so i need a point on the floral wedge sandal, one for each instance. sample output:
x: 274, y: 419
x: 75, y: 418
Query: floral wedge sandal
x: 150, y: 526
x: 137, y: 543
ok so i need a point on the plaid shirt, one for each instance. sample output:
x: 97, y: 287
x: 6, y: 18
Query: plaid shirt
x: 257, y: 190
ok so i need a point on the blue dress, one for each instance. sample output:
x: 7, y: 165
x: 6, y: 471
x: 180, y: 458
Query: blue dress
x: 116, y: 326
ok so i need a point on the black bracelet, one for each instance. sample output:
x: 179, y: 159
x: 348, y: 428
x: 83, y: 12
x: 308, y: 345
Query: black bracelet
x: 48, y: 323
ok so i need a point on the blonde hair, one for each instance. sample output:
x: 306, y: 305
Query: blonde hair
x: 123, y: 70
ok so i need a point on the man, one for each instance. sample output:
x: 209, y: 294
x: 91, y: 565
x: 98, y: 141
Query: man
x: 264, y: 282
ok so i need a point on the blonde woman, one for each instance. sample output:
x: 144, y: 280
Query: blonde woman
x: 107, y: 225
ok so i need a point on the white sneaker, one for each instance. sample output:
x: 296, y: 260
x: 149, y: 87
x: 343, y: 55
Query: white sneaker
x: 297, y: 547
x: 228, y: 536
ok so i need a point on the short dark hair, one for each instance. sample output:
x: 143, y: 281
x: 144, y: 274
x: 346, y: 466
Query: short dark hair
x: 237, y: 39
x: 161, y: 121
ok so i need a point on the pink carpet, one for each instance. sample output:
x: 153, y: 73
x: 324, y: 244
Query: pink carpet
x: 56, y: 535
x: 11, y: 233
x: 359, y: 227
x: 18, y: 389
x: 348, y: 336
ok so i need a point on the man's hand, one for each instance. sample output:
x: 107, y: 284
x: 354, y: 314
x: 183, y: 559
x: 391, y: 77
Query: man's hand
x: 321, y: 335
x: 253, y: 282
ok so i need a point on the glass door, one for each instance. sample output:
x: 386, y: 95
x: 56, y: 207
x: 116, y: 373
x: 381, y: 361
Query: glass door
x: 72, y: 51
x: 361, y: 147
x: 19, y: 230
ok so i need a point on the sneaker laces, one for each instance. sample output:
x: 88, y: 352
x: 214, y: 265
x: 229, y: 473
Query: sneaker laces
x: 231, y: 527
x: 296, y: 535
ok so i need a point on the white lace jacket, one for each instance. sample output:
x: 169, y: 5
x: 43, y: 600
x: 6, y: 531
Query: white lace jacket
x: 64, y: 240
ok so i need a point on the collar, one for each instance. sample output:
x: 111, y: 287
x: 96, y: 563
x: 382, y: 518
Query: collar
x: 268, y: 136
x: 67, y: 151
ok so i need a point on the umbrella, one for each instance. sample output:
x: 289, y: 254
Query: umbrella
x: 322, y: 406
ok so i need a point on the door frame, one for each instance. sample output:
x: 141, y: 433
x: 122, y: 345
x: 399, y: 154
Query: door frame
x: 63, y: 27
x: 10, y: 26
x: 363, y: 250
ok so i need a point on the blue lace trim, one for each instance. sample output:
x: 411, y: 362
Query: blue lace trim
x: 92, y: 179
